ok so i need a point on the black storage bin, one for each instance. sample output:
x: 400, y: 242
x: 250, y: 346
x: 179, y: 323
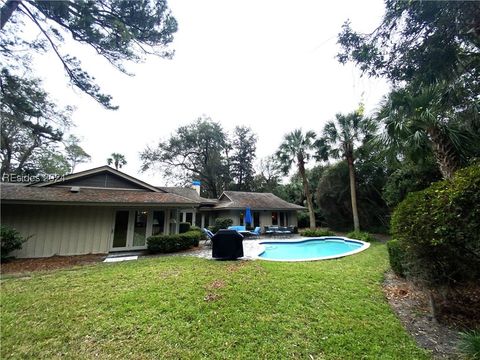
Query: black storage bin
x: 227, y: 244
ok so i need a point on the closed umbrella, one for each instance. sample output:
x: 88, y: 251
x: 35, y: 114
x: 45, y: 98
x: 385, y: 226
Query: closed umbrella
x: 248, y: 216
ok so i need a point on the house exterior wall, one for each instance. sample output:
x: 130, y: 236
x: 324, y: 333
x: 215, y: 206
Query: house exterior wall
x: 60, y: 230
x: 230, y: 214
x: 265, y: 217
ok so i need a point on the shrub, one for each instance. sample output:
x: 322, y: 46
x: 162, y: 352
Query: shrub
x: 174, y: 242
x: 193, y: 236
x: 361, y: 235
x: 10, y: 240
x: 316, y: 232
x: 470, y: 344
x: 439, y: 228
x: 396, y: 254
x: 221, y: 223
x: 303, y: 219
x: 183, y: 227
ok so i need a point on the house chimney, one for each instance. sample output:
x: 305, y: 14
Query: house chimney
x: 196, y: 185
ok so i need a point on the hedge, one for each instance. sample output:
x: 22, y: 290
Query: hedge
x: 361, y: 235
x: 183, y: 227
x: 220, y: 223
x: 439, y: 228
x: 316, y: 232
x: 174, y: 242
x: 396, y: 254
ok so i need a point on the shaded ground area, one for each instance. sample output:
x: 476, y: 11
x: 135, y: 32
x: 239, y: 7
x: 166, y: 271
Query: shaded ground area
x: 51, y: 263
x: 411, y: 304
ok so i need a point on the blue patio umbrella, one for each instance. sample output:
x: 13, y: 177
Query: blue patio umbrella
x: 248, y: 216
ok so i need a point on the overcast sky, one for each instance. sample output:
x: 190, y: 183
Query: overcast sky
x: 266, y: 64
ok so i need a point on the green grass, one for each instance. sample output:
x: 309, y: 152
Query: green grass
x: 189, y: 308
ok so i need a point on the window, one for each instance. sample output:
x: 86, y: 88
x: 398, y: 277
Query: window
x: 274, y: 218
x: 256, y: 219
x: 198, y: 220
x: 189, y: 218
x: 140, y: 229
x: 173, y: 221
x: 158, y: 224
x: 282, y: 219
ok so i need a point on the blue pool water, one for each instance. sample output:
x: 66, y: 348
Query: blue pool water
x: 314, y: 249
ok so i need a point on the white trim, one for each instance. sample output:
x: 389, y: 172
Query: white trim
x: 99, y: 170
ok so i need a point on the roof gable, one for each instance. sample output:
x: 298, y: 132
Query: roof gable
x: 188, y: 193
x: 102, y: 177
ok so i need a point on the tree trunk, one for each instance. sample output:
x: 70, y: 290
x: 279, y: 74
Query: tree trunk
x: 7, y: 11
x: 306, y: 191
x: 433, y: 305
x: 353, y: 194
x: 446, y: 155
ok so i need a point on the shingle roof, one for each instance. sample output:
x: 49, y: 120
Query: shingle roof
x: 24, y: 194
x: 255, y: 201
x: 188, y: 193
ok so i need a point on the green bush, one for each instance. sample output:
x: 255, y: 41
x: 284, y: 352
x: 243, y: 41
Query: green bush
x: 316, y: 233
x: 470, y: 344
x: 193, y: 236
x: 10, y: 240
x: 183, y: 227
x: 361, y: 235
x: 174, y: 242
x: 221, y: 223
x: 396, y: 254
x: 439, y: 228
x: 303, y: 219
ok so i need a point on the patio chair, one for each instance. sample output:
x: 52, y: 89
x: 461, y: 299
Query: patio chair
x: 257, y: 232
x: 284, y: 231
x: 238, y: 228
x: 272, y: 230
x: 209, y: 235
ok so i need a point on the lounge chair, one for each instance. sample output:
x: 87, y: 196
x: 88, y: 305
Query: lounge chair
x: 257, y: 232
x: 209, y: 235
x: 238, y: 228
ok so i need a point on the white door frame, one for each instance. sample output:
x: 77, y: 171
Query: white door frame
x: 131, y: 224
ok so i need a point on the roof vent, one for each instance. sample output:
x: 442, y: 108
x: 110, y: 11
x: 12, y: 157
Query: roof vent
x: 75, y: 189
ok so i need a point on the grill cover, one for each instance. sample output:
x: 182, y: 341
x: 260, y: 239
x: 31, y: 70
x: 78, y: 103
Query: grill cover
x: 227, y: 244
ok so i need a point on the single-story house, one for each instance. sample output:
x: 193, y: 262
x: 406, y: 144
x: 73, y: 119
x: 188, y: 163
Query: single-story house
x: 103, y: 210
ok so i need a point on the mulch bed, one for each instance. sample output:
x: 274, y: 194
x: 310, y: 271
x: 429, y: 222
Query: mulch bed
x: 411, y: 304
x: 17, y: 266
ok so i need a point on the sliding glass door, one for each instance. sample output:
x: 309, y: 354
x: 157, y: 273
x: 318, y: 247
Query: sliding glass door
x: 120, y: 232
x: 133, y: 227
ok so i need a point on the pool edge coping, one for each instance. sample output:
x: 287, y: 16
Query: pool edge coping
x: 365, y: 246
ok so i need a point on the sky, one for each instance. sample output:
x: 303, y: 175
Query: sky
x: 266, y: 64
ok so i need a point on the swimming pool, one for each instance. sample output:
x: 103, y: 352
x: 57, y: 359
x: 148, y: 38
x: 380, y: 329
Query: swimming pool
x: 311, y: 249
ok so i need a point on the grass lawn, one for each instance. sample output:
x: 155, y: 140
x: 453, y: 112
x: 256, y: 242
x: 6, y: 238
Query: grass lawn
x: 188, y: 308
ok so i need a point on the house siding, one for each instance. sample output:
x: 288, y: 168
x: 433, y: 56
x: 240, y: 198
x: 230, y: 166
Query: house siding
x: 265, y: 217
x: 60, y: 230
x: 104, y: 180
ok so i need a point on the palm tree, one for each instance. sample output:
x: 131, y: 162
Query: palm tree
x: 428, y: 120
x: 296, y: 148
x: 338, y: 141
x: 117, y: 159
